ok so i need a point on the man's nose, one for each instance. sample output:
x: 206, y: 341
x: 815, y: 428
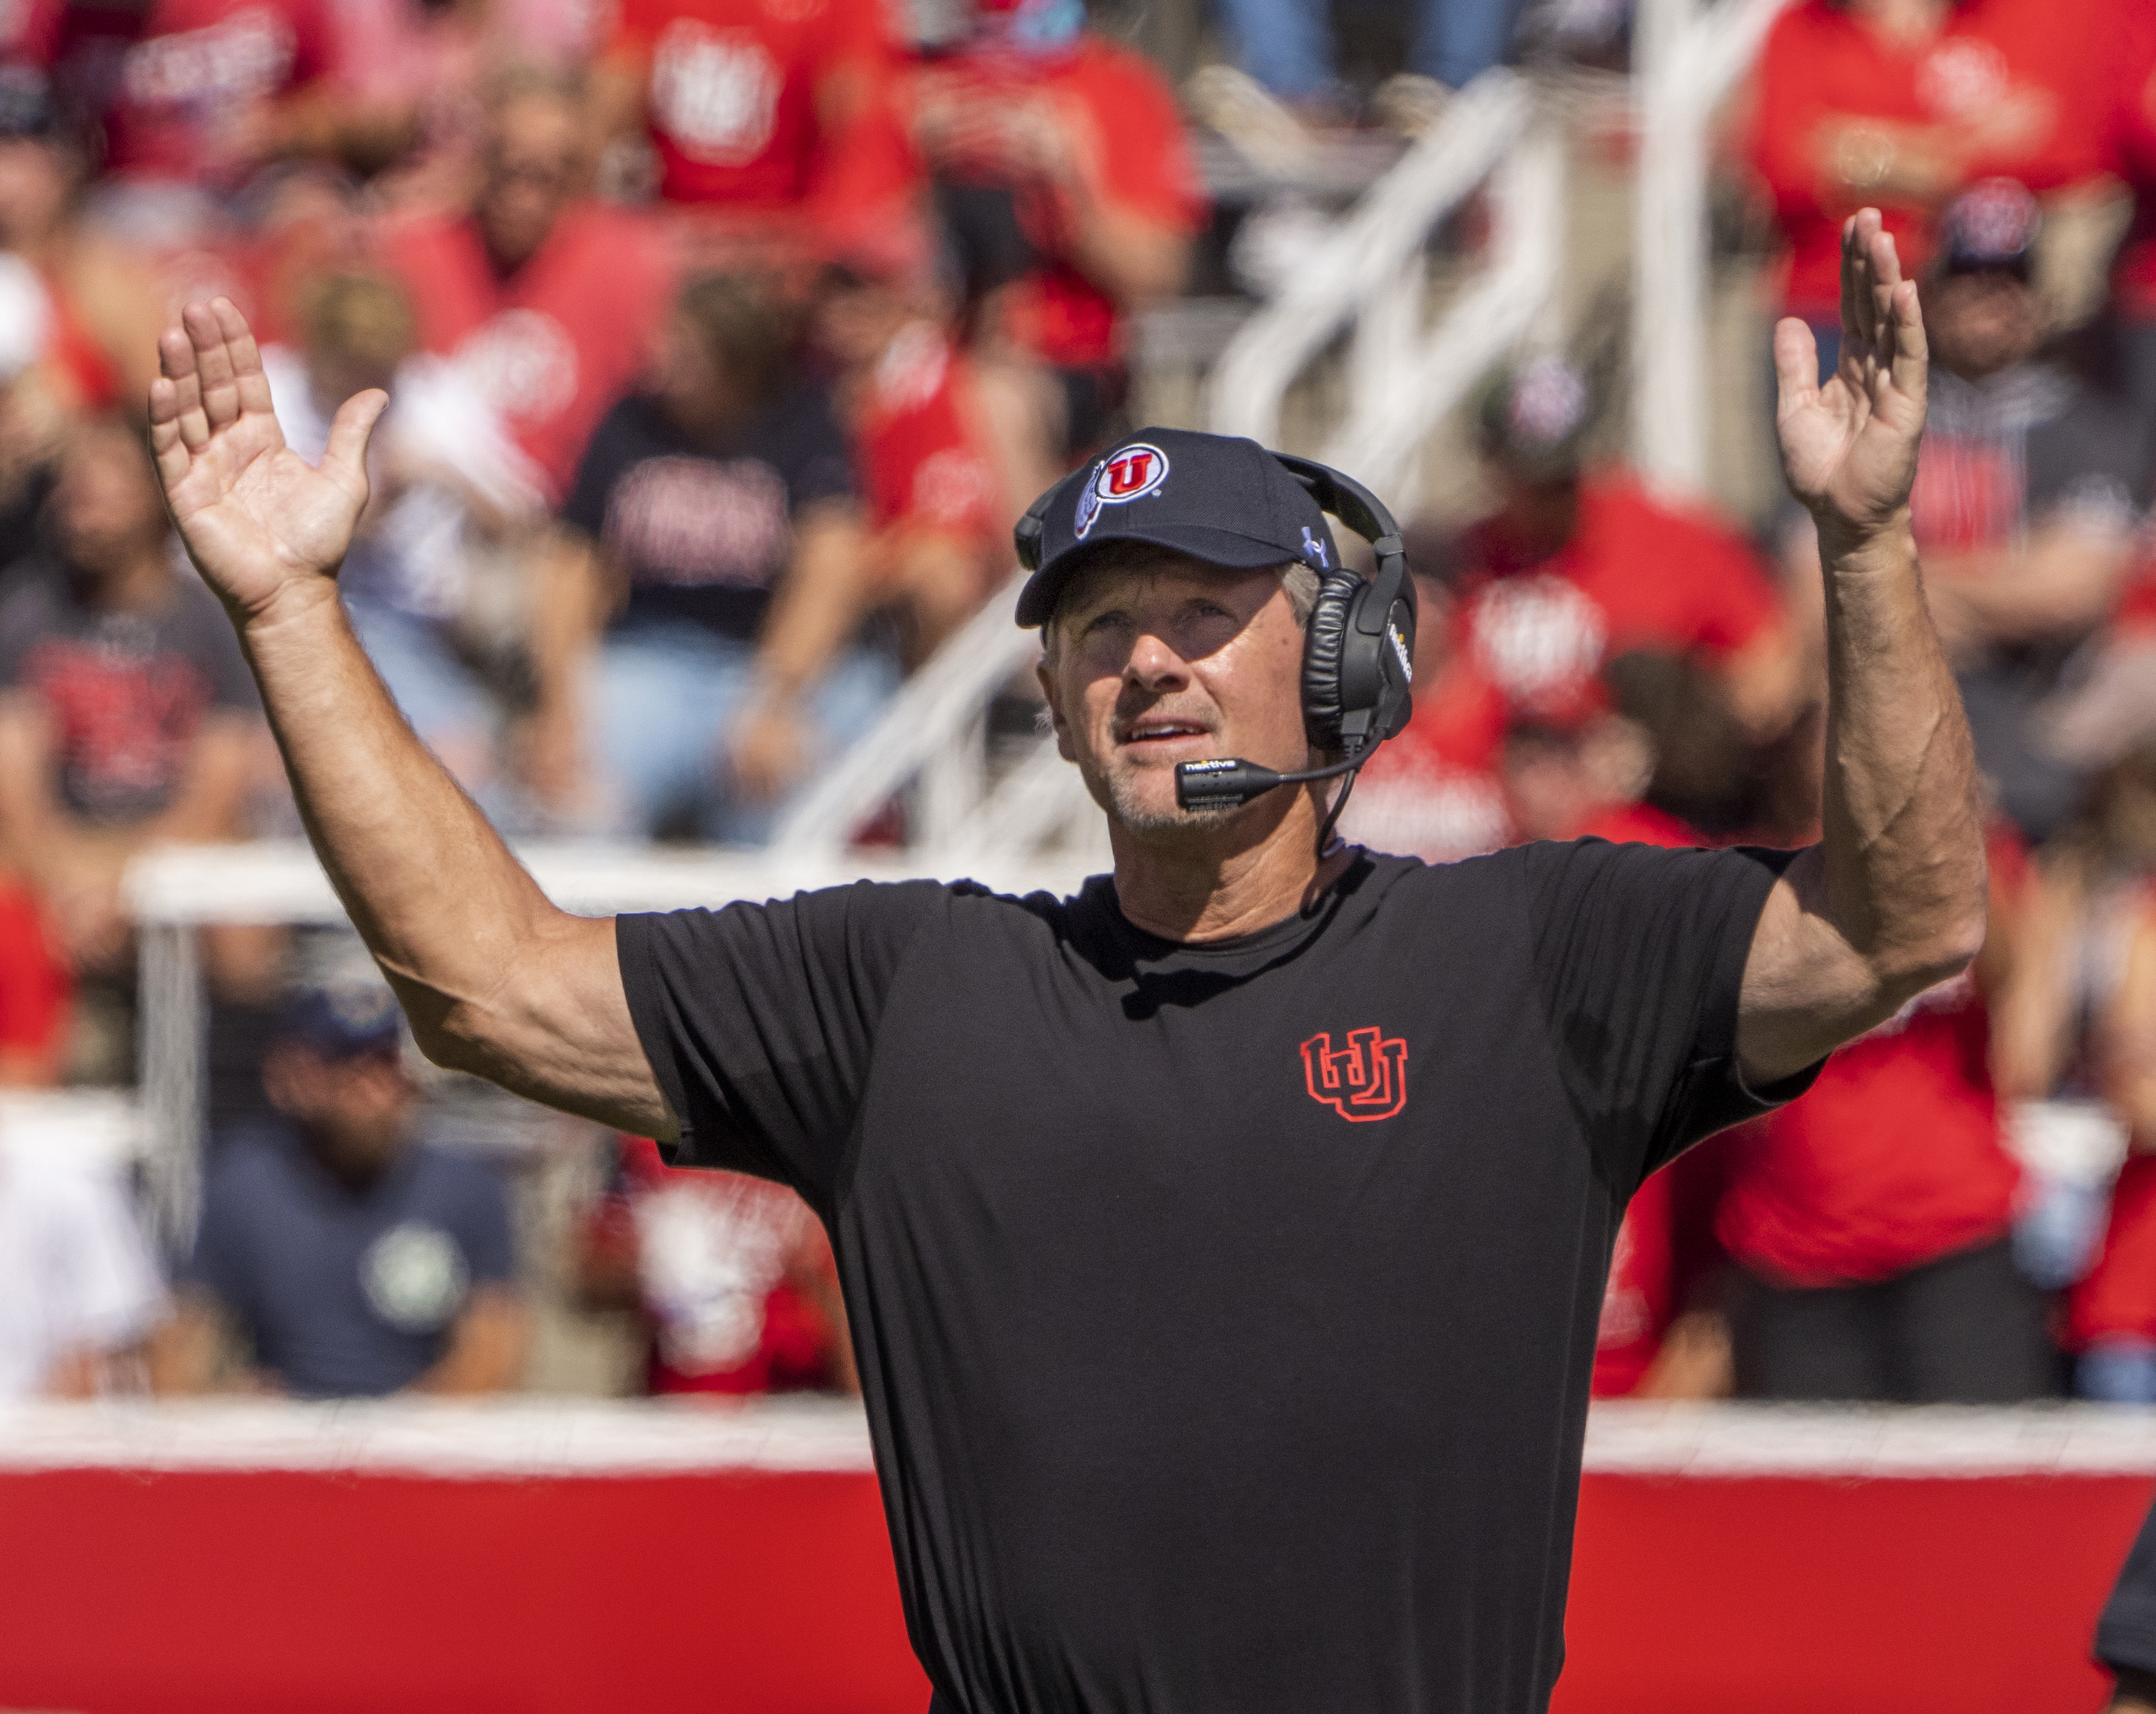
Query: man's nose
x: 1154, y: 665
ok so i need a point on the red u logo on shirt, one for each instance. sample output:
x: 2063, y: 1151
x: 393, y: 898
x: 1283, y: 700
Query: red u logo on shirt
x: 1366, y: 1079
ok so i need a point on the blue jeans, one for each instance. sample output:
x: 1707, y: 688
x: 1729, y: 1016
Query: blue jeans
x: 663, y: 697
x: 1287, y: 45
x: 2117, y: 1372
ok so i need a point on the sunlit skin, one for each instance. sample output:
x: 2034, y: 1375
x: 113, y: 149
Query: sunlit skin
x: 1172, y: 660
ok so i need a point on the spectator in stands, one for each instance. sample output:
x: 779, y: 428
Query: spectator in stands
x: 127, y: 715
x: 2111, y: 1322
x: 1873, y: 1215
x: 696, y: 632
x: 352, y: 1257
x: 1069, y: 192
x: 546, y: 298
x: 746, y: 105
x: 79, y: 1293
x: 447, y: 471
x: 939, y: 514
x: 1898, y: 104
x: 1287, y: 46
x: 1575, y: 566
x: 97, y: 331
x: 2028, y: 501
x: 191, y: 97
x: 2133, y: 152
x: 733, y: 1274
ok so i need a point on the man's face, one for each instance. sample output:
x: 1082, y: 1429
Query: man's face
x: 355, y: 1109
x: 534, y: 161
x: 1170, y: 660
x: 1983, y: 323
x: 106, y: 507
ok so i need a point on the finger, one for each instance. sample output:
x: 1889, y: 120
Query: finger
x: 176, y: 355
x: 1796, y: 366
x: 1885, y: 265
x: 354, y: 422
x: 1852, y: 330
x: 1912, y: 351
x: 246, y: 356
x: 171, y: 451
x: 1863, y: 281
x: 220, y: 396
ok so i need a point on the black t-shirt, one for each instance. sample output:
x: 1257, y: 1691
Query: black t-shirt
x: 1225, y: 1312
x: 126, y: 692
x: 704, y: 532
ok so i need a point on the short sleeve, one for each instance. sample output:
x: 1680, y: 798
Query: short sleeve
x: 1147, y: 159
x: 1640, y: 954
x: 217, y: 1264
x: 760, y: 1022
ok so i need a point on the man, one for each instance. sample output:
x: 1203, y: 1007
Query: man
x: 126, y: 719
x: 694, y: 632
x: 1222, y: 1247
x: 1575, y: 566
x: 2028, y: 504
x: 79, y: 1293
x: 354, y: 1259
x: 545, y: 298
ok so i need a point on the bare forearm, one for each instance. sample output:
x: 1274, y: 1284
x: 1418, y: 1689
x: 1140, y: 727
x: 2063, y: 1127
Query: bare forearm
x: 1135, y: 261
x: 816, y: 608
x: 1901, y: 862
x: 441, y: 902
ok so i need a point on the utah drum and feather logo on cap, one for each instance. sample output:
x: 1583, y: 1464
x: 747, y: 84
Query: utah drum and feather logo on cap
x: 1128, y: 473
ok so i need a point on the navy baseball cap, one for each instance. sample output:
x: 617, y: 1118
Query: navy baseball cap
x: 1990, y: 228
x: 341, y: 1020
x: 1216, y: 497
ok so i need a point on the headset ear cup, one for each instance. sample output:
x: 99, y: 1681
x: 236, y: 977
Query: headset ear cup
x: 1324, y: 640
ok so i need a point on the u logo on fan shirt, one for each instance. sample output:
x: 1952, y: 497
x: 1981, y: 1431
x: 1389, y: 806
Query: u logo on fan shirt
x: 1128, y: 473
x: 1365, y: 1080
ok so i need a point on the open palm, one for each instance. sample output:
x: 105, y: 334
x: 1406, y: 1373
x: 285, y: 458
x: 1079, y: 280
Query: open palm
x: 1849, y: 448
x: 257, y: 519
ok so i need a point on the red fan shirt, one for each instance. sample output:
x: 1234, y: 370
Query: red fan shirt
x: 921, y: 462
x: 1432, y: 792
x: 554, y: 344
x: 1119, y: 118
x: 1636, y: 573
x: 732, y: 89
x: 2133, y: 272
x: 1822, y: 62
x: 1894, y: 1157
x: 724, y: 1261
x: 176, y: 85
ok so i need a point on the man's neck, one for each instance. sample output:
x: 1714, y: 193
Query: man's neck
x: 1221, y: 884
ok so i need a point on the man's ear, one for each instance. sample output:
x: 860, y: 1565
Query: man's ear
x: 1062, y: 727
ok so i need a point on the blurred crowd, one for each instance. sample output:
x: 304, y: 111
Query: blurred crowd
x: 726, y: 339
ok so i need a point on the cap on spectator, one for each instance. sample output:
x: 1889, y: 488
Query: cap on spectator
x: 341, y: 1020
x: 1989, y: 227
x: 1218, y: 498
x: 26, y: 109
x: 1536, y: 417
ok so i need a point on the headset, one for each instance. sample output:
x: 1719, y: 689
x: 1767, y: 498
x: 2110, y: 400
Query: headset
x: 1358, y: 654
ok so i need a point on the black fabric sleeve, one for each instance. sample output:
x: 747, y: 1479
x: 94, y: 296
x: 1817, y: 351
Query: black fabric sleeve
x: 821, y: 466
x: 2126, y: 1633
x: 760, y: 1022
x: 1639, y: 956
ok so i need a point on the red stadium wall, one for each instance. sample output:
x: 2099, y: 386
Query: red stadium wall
x: 766, y: 1586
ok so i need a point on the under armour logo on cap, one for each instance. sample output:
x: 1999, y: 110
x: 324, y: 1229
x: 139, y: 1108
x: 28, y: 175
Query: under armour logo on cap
x: 1128, y: 473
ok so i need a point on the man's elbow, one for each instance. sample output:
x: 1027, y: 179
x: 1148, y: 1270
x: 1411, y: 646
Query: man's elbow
x: 1924, y: 962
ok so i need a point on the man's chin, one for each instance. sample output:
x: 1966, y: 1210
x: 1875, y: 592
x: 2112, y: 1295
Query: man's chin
x: 1145, y: 803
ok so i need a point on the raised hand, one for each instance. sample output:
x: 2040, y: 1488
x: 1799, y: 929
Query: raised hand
x: 1849, y: 448
x: 259, y: 521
